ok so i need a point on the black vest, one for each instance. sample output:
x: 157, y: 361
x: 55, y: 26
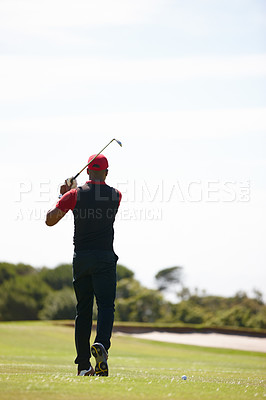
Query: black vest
x: 94, y: 216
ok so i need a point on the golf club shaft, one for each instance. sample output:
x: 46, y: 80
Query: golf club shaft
x: 74, y: 177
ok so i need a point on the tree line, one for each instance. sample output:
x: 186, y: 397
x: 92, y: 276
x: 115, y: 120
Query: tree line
x: 28, y: 293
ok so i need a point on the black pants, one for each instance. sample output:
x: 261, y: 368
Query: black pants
x: 94, y: 274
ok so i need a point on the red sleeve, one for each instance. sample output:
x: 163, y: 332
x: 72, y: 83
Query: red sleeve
x: 68, y: 201
x: 120, y: 197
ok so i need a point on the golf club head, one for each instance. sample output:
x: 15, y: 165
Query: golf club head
x: 118, y: 141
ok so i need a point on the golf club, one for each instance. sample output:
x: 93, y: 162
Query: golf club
x: 117, y: 141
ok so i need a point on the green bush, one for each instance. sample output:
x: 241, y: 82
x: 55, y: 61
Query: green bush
x: 22, y: 298
x: 10, y: 271
x: 188, y: 313
x: 59, y: 277
x: 127, y: 288
x: 27, y: 293
x: 17, y: 307
x: 144, y: 306
x: 258, y: 320
x: 147, y: 306
x: 123, y: 272
x: 59, y: 305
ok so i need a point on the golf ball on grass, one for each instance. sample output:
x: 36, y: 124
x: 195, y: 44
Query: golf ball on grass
x: 184, y: 377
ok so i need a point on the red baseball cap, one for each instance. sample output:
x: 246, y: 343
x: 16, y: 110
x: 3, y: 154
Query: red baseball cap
x: 99, y: 163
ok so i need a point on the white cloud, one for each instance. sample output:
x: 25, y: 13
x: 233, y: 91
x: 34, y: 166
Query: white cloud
x: 33, y: 15
x: 179, y: 124
x: 43, y: 77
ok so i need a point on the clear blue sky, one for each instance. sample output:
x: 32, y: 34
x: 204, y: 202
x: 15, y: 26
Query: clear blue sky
x: 182, y: 85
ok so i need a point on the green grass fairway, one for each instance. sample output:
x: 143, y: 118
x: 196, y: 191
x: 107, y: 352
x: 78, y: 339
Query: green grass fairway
x: 36, y: 362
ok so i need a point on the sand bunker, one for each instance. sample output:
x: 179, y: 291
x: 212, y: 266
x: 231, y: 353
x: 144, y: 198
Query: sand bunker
x: 226, y: 341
